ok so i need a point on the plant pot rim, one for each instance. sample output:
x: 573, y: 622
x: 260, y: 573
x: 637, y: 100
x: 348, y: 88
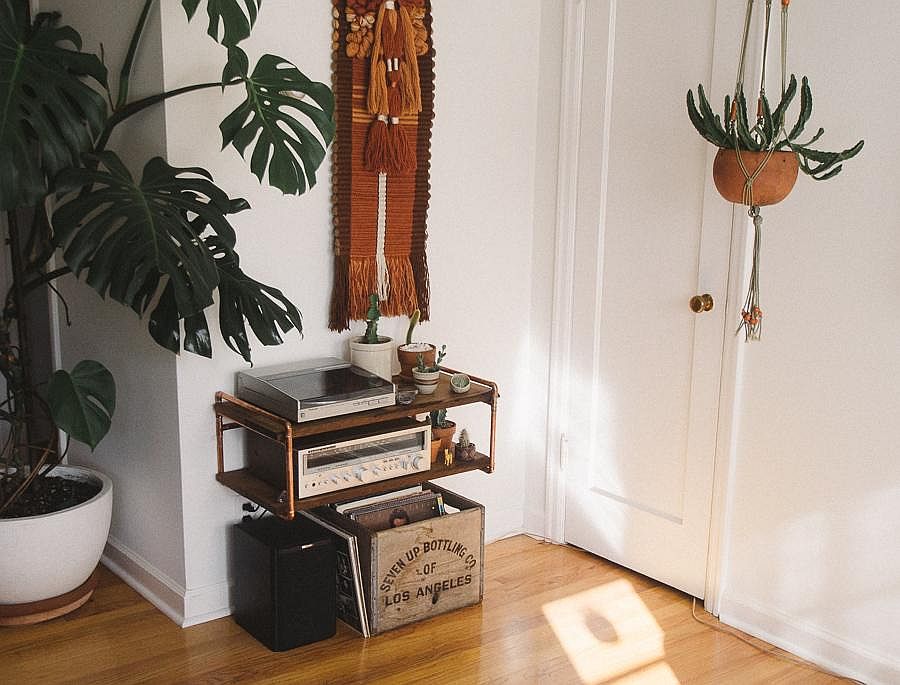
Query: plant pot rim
x: 359, y: 340
x: 72, y: 472
x: 426, y: 374
x: 405, y: 347
x: 451, y: 424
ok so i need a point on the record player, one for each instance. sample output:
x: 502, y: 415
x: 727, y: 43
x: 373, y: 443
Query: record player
x: 315, y: 389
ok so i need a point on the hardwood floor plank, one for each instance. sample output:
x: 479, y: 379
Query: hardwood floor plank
x: 551, y: 614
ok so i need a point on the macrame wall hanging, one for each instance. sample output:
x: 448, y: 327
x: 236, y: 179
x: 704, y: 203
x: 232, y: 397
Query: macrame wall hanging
x: 759, y: 159
x: 383, y: 82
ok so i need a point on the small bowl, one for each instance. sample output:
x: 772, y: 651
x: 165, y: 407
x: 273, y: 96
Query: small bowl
x: 406, y: 396
x: 456, y: 378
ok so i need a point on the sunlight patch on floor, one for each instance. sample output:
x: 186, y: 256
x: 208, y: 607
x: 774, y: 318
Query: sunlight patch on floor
x: 610, y: 636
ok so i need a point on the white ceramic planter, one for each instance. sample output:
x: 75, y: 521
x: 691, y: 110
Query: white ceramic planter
x: 46, y: 556
x: 376, y: 358
x: 426, y: 381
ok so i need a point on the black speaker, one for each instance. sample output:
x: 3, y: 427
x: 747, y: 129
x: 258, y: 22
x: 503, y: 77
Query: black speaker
x: 284, y: 591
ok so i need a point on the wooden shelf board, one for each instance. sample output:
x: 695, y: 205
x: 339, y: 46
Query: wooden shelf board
x: 443, y: 397
x: 246, y: 484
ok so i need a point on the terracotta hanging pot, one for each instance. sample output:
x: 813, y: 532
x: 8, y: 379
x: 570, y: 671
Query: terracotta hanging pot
x: 773, y: 184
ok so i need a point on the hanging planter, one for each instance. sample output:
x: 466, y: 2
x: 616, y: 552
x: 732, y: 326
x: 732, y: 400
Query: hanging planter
x: 759, y: 159
x: 774, y: 183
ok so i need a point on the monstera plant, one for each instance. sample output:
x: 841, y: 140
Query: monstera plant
x: 160, y: 242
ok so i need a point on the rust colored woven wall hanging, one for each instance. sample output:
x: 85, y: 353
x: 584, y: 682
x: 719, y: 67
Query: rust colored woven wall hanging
x: 383, y: 81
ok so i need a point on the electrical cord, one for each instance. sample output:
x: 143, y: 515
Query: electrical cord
x: 775, y: 652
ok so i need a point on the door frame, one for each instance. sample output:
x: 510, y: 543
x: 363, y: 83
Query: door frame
x: 560, y: 383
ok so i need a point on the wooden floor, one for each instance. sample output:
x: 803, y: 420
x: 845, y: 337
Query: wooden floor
x: 550, y: 614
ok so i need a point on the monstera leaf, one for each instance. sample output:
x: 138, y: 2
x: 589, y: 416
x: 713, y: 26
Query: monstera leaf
x: 276, y: 92
x: 241, y: 299
x: 42, y: 129
x: 265, y: 308
x: 82, y: 402
x: 236, y: 20
x: 167, y: 240
x: 126, y: 235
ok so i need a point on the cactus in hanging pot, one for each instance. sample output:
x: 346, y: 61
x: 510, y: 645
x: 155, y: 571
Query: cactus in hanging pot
x: 759, y: 160
x: 370, y: 351
x: 764, y: 145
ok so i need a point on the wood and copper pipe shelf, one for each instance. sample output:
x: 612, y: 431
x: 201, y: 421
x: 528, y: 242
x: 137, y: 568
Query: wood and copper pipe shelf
x: 241, y: 414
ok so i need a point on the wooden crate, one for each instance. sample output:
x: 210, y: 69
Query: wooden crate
x: 421, y: 569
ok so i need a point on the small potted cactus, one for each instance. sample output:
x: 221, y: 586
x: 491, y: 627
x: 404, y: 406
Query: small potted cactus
x: 459, y: 382
x: 408, y: 353
x: 465, y: 448
x: 442, y: 428
x: 426, y: 376
x: 370, y: 351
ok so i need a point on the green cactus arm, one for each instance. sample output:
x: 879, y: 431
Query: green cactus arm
x: 767, y: 130
x: 787, y: 144
x: 780, y: 111
x: 413, y: 321
x: 831, y: 174
x: 713, y: 122
x: 742, y: 129
x: 710, y: 133
x: 727, y: 117
x: 828, y: 163
x: 822, y: 156
x: 806, y: 105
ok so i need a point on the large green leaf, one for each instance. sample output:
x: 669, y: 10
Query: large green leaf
x: 126, y: 235
x: 48, y: 115
x: 236, y: 20
x: 82, y: 402
x: 241, y: 298
x: 283, y: 146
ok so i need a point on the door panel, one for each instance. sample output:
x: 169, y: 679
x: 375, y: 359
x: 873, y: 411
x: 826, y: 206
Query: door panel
x: 645, y: 368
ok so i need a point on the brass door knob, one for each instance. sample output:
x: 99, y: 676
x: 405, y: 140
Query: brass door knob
x: 702, y: 303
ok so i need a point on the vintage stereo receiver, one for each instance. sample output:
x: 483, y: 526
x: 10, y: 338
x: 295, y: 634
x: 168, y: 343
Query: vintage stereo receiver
x: 344, y: 459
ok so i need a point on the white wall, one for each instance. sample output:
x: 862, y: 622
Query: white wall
x: 141, y: 452
x: 174, y: 520
x: 812, y: 559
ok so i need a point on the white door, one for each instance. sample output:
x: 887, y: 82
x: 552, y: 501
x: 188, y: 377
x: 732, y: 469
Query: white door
x: 650, y: 234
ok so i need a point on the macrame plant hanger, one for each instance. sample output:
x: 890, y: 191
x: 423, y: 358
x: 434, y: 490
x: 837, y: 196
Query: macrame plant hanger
x: 751, y: 313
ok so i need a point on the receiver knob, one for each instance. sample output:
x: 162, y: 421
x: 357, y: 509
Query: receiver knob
x: 359, y: 472
x: 415, y: 462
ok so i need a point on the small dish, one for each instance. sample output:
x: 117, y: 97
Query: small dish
x: 406, y: 396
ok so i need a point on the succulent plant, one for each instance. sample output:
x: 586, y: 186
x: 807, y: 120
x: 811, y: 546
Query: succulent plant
x: 439, y: 419
x: 464, y: 441
x: 768, y: 132
x: 420, y: 361
x: 460, y: 380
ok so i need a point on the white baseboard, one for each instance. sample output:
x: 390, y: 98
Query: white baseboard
x: 809, y: 642
x: 184, y: 607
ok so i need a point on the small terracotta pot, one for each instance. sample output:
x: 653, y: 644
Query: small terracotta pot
x: 773, y: 184
x: 436, y: 451
x: 409, y: 358
x: 445, y: 435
